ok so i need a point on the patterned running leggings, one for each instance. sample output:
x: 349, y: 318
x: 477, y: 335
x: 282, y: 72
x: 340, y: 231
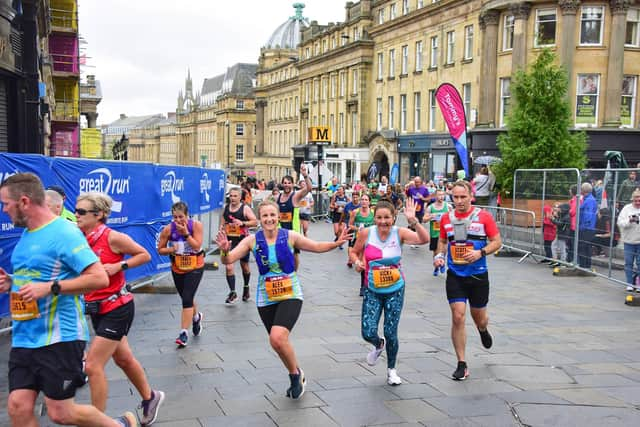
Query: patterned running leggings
x: 372, y: 307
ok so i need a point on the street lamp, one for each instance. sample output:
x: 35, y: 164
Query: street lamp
x: 226, y: 123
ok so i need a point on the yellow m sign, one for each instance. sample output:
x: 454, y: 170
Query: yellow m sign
x: 320, y: 134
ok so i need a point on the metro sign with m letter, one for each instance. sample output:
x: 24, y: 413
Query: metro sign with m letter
x: 319, y: 135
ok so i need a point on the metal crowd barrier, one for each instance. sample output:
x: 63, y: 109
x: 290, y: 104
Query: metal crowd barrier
x: 517, y: 229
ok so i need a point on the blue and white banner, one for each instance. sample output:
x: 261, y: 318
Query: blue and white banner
x: 142, y: 194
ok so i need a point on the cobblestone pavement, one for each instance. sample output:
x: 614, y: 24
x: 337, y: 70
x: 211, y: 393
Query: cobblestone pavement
x: 566, y: 353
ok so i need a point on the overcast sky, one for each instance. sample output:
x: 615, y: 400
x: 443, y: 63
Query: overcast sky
x: 140, y: 50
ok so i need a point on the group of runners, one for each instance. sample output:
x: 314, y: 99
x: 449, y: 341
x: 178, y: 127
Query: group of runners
x: 50, y: 332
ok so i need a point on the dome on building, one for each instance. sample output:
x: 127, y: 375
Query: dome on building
x: 287, y: 35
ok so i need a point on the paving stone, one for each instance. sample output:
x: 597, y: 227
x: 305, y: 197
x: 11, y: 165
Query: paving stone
x: 630, y: 395
x: 530, y: 374
x: 361, y: 414
x: 415, y: 410
x: 584, y: 416
x: 603, y: 380
x: 283, y: 403
x: 587, y: 397
x: 531, y: 396
x: 311, y: 417
x: 255, y: 420
x: 469, y: 405
x: 234, y: 407
x: 359, y: 395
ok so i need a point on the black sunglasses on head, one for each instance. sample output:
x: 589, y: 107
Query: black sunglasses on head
x: 83, y: 212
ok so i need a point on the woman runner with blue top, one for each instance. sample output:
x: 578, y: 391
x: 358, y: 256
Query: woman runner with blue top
x: 279, y: 293
x: 380, y: 246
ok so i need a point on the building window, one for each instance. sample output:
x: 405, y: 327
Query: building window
x: 390, y: 124
x: 307, y: 53
x: 333, y: 42
x: 341, y: 129
x: 466, y: 99
x: 433, y: 62
x: 343, y: 83
x: 591, y: 21
x: 392, y: 11
x: 240, y: 104
x: 587, y: 99
x: 316, y: 90
x: 507, y: 32
x: 505, y: 99
x: 451, y: 45
x: 380, y: 66
x: 405, y: 7
x: 295, y: 113
x: 307, y: 88
x: 343, y: 39
x: 417, y: 111
x: 545, y: 28
x: 432, y: 110
x: 378, y: 113
x: 628, y: 106
x: 324, y: 46
x: 354, y: 128
x: 405, y: 60
x: 333, y: 86
x: 468, y: 42
x: 325, y: 84
x: 381, y: 15
x: 239, y: 153
x: 239, y: 129
x: 356, y: 34
x: 419, y: 55
x: 420, y: 4
x: 633, y: 21
x: 392, y: 63
x: 403, y: 113
x: 332, y: 123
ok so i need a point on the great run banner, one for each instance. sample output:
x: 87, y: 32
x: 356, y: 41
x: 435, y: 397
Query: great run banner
x: 452, y: 109
x: 142, y: 196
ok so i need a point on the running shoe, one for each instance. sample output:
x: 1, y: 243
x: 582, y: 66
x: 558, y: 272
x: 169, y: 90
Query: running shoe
x: 150, y: 407
x: 393, y: 378
x: 485, y: 336
x: 461, y: 372
x: 196, y: 327
x: 435, y: 271
x: 182, y: 339
x: 443, y: 269
x: 374, y: 355
x: 231, y: 298
x: 128, y: 419
x: 350, y: 264
x: 630, y: 288
x: 245, y: 294
x: 340, y: 247
x: 298, y: 383
x: 361, y: 291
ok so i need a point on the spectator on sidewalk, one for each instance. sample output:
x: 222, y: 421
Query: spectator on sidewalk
x: 548, y: 232
x: 602, y: 243
x: 573, y: 210
x: 629, y: 223
x: 562, y: 221
x: 587, y: 225
x: 626, y: 189
x: 482, y: 184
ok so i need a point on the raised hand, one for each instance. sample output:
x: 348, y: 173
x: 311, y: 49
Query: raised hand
x: 221, y: 240
x: 345, y: 236
x: 410, y: 209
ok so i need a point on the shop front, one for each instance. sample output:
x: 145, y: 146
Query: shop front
x: 430, y: 156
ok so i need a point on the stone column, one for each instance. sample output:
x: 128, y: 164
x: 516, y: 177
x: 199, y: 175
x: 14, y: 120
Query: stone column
x: 91, y: 119
x: 489, y: 62
x: 260, y: 106
x: 569, y: 8
x: 521, y: 13
x: 613, y: 90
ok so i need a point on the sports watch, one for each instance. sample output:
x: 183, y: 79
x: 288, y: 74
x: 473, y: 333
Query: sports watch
x: 55, y: 288
x: 124, y: 266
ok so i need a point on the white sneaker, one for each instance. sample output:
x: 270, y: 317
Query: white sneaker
x: 374, y: 355
x: 393, y: 378
x: 630, y: 289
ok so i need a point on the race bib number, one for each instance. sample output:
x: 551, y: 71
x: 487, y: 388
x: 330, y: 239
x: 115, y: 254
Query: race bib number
x: 186, y: 262
x: 436, y: 224
x: 418, y: 206
x: 459, y: 250
x: 21, y: 309
x: 286, y: 216
x: 303, y: 204
x: 233, y: 230
x: 385, y: 276
x: 279, y: 288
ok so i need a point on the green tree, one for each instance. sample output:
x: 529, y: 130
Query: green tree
x: 538, y: 124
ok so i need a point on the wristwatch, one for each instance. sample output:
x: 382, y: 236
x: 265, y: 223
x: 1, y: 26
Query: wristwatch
x: 483, y: 252
x: 55, y: 288
x: 124, y: 265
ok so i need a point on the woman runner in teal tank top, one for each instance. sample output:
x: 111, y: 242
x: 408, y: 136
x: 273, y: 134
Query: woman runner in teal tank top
x: 279, y: 293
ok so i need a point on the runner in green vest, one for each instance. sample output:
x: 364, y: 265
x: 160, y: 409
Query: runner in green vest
x: 433, y: 215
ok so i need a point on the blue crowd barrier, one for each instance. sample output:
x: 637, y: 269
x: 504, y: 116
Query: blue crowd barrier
x: 142, y: 194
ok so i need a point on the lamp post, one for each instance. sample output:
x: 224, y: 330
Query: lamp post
x: 226, y: 123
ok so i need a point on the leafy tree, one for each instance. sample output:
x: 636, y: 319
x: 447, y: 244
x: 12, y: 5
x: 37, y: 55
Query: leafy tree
x: 538, y: 124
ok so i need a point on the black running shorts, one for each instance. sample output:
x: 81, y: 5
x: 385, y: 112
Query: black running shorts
x: 236, y: 242
x: 284, y: 313
x: 115, y: 324
x: 54, y: 369
x: 433, y: 243
x: 473, y: 288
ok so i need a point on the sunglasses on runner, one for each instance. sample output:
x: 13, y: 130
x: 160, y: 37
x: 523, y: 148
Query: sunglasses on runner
x: 83, y: 212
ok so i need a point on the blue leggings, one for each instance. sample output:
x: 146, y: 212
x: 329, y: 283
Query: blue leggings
x: 372, y: 307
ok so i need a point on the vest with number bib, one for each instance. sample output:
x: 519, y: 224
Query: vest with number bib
x: 186, y: 259
x: 278, y: 279
x: 289, y: 214
x: 382, y: 261
x: 465, y: 234
x: 434, y: 224
x: 235, y: 232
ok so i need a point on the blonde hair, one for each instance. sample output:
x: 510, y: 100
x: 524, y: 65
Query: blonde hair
x: 464, y: 184
x: 101, y: 202
x: 266, y: 203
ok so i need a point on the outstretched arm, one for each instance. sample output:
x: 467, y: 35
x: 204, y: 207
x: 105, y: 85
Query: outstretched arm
x: 306, y: 244
x: 418, y: 237
x: 240, y: 251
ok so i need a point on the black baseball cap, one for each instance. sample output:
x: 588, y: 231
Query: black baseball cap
x: 57, y: 189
